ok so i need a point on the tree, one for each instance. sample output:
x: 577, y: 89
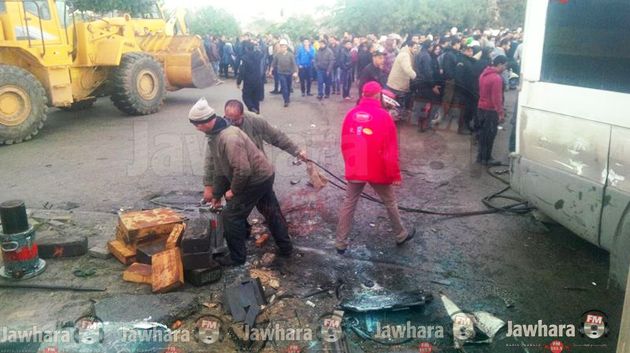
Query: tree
x: 209, y: 20
x: 409, y: 16
x: 100, y: 6
x: 296, y: 27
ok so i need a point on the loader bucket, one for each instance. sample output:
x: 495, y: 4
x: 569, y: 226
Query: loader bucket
x: 186, y: 64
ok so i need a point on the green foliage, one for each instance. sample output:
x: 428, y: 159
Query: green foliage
x: 410, y: 16
x: 101, y: 6
x: 209, y: 20
x: 296, y: 27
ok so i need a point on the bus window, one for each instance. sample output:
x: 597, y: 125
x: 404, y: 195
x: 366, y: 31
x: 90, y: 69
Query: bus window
x: 587, y: 44
x: 33, y: 5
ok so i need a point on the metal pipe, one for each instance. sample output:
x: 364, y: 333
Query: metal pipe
x: 51, y: 287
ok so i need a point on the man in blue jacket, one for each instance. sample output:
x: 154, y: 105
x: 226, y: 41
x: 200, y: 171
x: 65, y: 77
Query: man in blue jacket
x: 304, y: 57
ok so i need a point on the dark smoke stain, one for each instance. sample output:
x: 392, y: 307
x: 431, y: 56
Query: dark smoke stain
x: 607, y: 200
x: 580, y: 196
x: 559, y: 204
x: 436, y: 165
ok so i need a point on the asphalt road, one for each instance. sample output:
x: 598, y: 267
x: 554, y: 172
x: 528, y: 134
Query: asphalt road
x: 512, y: 266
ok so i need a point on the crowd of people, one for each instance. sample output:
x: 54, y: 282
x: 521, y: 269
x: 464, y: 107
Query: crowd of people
x: 428, y: 74
x: 421, y: 75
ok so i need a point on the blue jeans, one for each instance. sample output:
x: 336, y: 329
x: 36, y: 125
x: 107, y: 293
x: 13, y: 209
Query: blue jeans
x: 323, y: 78
x: 335, y: 80
x: 285, y: 86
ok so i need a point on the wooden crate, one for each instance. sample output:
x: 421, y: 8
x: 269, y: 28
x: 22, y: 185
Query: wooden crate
x: 136, y: 226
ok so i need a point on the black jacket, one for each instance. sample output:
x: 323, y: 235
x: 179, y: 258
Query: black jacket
x: 423, y: 67
x: 344, y: 59
x: 449, y: 63
x: 371, y: 73
x: 464, y: 74
x: 250, y: 71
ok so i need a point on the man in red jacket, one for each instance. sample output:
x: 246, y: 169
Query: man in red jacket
x: 491, y: 112
x: 370, y: 151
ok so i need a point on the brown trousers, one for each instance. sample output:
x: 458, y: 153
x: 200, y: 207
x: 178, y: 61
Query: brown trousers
x: 346, y: 214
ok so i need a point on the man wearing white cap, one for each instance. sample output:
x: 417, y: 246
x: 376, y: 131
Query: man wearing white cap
x: 244, y: 176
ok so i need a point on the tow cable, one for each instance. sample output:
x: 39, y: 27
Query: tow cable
x: 519, y: 207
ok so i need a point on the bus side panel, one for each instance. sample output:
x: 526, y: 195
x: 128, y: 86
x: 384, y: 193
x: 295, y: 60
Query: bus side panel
x: 571, y: 201
x: 562, y: 166
x: 616, y: 216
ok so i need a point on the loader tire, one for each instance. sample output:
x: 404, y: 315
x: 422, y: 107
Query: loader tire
x: 138, y: 86
x: 22, y: 105
x: 80, y: 105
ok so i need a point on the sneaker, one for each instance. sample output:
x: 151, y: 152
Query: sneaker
x: 274, y: 92
x: 309, y: 94
x: 409, y: 237
x: 320, y: 97
x: 348, y: 98
x: 341, y: 251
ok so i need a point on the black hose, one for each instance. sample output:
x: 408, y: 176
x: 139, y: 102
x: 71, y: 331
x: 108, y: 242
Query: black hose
x: 520, y: 207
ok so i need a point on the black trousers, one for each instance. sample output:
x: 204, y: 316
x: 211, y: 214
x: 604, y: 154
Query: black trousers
x: 237, y: 210
x: 306, y: 80
x: 468, y: 101
x: 488, y: 121
x: 252, y: 95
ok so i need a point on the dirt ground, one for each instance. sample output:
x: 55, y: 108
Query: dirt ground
x: 84, y: 167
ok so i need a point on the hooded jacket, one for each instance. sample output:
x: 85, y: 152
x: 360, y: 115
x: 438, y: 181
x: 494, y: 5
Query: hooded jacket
x: 491, y: 91
x: 369, y: 144
x: 237, y: 162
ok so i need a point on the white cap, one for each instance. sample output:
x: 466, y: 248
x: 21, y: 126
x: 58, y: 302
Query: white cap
x: 201, y: 112
x: 283, y: 42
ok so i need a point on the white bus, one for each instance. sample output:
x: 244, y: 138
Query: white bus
x: 572, y: 157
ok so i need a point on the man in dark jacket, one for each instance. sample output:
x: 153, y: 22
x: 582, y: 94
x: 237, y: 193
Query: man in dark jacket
x: 324, y: 64
x: 491, y: 111
x: 251, y: 76
x: 465, y: 89
x: 345, y: 69
x: 428, y: 87
x: 373, y: 71
x: 449, y: 64
x: 244, y: 176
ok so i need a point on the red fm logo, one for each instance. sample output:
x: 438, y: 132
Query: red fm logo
x: 208, y: 325
x: 332, y: 323
x: 50, y: 350
x: 425, y: 347
x: 294, y: 348
x: 557, y: 347
x: 594, y: 319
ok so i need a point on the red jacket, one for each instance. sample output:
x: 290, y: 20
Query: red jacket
x: 491, y: 90
x: 369, y: 144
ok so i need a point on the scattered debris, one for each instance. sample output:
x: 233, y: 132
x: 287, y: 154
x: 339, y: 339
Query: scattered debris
x: 372, y: 225
x: 295, y: 181
x: 261, y: 239
x: 83, y: 273
x: 211, y: 305
x: 267, y: 259
x: 443, y: 282
x: 267, y: 278
x: 121, y: 252
x: 310, y: 303
x: 390, y: 301
x: 477, y: 327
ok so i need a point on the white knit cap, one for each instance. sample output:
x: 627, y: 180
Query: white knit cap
x: 283, y: 42
x: 201, y: 112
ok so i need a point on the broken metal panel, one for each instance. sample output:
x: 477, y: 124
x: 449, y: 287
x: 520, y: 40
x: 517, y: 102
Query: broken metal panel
x: 576, y: 146
x: 574, y: 202
x: 619, y: 169
x: 615, y: 232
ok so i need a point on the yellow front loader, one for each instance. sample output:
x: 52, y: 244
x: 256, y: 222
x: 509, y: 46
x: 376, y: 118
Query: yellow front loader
x: 51, y: 56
